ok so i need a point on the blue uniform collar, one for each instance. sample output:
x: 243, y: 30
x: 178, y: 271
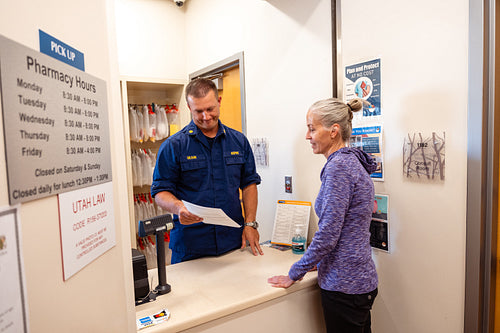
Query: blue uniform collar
x: 193, y: 130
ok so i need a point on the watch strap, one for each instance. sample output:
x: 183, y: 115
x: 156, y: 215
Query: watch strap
x: 253, y: 224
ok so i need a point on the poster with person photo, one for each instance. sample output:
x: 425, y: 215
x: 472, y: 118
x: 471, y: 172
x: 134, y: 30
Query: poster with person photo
x: 362, y: 80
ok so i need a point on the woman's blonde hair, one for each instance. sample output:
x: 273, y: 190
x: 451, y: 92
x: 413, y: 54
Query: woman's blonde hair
x: 333, y: 111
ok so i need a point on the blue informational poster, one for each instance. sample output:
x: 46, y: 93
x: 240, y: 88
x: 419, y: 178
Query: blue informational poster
x: 362, y: 80
x: 369, y: 139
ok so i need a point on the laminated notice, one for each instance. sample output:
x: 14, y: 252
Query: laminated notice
x: 155, y: 319
x: 290, y: 215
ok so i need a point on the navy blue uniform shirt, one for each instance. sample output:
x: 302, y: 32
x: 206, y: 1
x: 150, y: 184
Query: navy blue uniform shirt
x: 206, y: 174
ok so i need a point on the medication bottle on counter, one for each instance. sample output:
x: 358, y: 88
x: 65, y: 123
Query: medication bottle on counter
x: 298, y: 242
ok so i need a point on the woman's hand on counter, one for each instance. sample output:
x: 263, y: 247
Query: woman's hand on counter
x: 280, y: 281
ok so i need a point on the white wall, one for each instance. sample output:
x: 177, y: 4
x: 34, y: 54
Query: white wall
x: 287, y: 53
x: 151, y: 39
x: 287, y: 49
x: 100, y: 296
x: 424, y: 88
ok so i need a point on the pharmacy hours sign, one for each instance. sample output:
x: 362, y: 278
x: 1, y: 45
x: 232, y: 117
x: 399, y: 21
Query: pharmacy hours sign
x: 56, y: 128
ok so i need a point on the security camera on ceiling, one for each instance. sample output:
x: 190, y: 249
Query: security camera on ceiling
x: 179, y: 3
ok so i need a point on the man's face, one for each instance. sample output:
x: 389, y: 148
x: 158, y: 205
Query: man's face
x: 205, y: 112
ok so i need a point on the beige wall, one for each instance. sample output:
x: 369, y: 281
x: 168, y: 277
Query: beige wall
x: 99, y: 298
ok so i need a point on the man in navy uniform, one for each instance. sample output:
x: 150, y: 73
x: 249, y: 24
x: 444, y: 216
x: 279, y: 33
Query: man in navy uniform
x: 207, y: 163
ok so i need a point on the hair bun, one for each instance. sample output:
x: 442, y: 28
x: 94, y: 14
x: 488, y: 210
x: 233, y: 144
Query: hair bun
x: 355, y: 104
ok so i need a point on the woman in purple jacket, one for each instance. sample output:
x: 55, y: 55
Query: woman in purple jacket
x: 340, y: 249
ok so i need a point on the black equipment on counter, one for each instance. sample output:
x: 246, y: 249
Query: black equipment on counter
x: 158, y: 225
x: 140, y: 269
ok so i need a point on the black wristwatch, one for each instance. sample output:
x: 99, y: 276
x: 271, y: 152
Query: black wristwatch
x: 253, y: 224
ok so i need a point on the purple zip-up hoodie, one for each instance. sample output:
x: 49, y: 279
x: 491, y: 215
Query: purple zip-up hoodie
x: 341, y: 247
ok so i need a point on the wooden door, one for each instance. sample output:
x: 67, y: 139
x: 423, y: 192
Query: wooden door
x: 230, y: 110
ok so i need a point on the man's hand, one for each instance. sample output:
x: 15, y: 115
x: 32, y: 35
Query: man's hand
x: 280, y: 281
x: 186, y: 217
x: 252, y: 236
x: 170, y: 203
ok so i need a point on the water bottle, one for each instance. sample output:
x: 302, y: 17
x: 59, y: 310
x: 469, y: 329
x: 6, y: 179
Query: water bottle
x: 298, y: 242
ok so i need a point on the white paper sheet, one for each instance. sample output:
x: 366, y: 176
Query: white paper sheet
x: 211, y: 215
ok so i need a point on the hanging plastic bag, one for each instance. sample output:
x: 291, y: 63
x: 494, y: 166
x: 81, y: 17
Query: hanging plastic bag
x: 152, y: 158
x: 134, y: 132
x: 136, y: 209
x: 151, y: 208
x: 152, y: 253
x: 173, y: 119
x: 140, y: 125
x: 152, y: 123
x: 134, y: 169
x: 138, y: 166
x: 161, y: 124
x: 142, y: 208
x: 158, y: 122
x: 145, y: 122
x: 138, y: 169
x: 146, y: 169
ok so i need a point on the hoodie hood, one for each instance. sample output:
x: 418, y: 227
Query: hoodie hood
x: 366, y: 160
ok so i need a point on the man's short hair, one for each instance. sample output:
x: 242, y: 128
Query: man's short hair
x: 200, y: 87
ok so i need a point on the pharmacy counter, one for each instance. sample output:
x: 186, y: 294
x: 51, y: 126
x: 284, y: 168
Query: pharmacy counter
x: 230, y: 293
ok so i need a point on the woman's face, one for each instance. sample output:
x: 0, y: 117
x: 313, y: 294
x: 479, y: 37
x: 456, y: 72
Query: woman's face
x: 321, y: 138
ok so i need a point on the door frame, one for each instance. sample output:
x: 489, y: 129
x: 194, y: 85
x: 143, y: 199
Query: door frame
x: 482, y: 171
x: 222, y: 65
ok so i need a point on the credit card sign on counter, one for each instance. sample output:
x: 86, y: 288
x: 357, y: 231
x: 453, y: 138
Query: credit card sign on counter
x: 56, y: 127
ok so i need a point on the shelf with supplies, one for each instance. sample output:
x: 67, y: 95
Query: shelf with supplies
x: 153, y: 109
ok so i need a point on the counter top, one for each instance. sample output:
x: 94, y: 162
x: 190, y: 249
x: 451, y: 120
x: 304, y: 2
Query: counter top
x: 213, y: 287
